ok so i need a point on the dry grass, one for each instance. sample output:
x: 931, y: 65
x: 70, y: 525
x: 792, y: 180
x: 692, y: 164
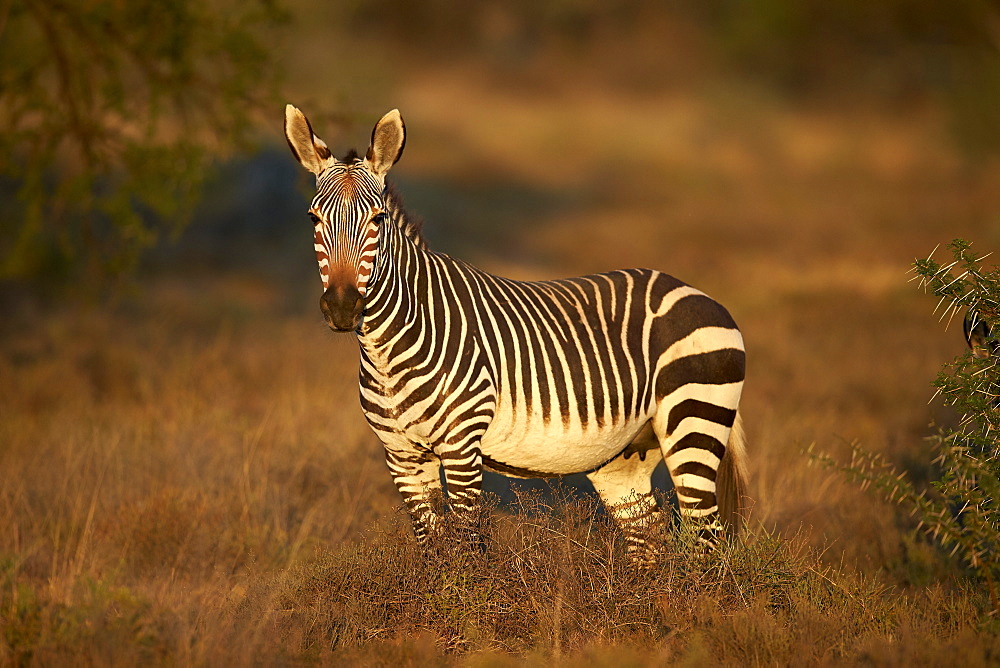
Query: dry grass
x: 147, y: 466
x: 554, y: 582
x: 187, y: 477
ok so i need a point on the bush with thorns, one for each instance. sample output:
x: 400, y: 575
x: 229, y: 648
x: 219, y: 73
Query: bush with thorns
x: 962, y: 508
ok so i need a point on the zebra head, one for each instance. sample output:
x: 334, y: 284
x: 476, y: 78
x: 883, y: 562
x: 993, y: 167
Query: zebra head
x: 979, y: 335
x: 347, y: 210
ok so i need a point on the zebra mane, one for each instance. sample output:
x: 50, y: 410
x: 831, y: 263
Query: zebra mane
x: 410, y: 224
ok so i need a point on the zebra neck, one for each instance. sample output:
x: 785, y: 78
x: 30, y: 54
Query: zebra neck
x: 395, y: 302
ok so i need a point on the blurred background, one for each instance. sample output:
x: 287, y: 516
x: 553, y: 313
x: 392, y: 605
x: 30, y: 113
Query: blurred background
x: 161, y: 346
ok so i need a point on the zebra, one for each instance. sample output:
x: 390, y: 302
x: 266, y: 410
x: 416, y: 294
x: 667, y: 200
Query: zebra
x: 461, y: 370
x: 979, y: 335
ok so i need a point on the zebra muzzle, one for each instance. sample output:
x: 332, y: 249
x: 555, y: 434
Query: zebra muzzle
x: 342, y: 307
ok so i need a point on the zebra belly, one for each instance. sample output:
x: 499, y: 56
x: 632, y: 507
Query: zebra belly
x: 546, y: 450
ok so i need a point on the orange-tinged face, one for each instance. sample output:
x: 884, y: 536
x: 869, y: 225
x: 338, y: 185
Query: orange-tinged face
x: 347, y: 210
x: 346, y: 213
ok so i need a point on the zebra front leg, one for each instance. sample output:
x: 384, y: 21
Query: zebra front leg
x: 418, y: 478
x: 463, y: 477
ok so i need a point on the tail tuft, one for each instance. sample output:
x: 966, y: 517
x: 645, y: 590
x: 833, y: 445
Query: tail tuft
x: 732, y: 480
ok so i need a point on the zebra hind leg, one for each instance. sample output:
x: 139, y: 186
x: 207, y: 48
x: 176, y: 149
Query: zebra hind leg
x: 693, y: 427
x: 625, y: 486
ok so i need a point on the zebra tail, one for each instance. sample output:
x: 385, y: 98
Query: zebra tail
x: 733, y: 481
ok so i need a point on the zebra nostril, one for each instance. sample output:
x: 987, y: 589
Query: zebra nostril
x: 324, y: 306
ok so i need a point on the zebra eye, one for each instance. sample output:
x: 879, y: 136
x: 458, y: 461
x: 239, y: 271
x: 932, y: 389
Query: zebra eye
x: 378, y: 216
x: 314, y: 218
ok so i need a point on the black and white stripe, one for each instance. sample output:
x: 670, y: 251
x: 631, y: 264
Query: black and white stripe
x: 465, y: 370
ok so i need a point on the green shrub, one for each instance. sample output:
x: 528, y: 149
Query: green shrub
x: 960, y: 510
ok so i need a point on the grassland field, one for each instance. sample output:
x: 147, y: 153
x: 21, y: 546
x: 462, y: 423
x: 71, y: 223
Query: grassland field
x: 187, y: 477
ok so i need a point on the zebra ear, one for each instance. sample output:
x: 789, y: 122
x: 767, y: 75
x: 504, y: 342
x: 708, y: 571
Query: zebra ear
x: 307, y: 148
x: 388, y: 140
